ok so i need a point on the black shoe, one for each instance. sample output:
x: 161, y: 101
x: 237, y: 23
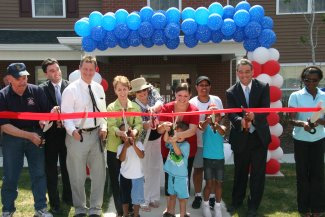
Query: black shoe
x: 251, y: 213
x: 212, y: 201
x: 232, y: 208
x: 167, y: 214
x: 56, y: 210
x: 197, y: 202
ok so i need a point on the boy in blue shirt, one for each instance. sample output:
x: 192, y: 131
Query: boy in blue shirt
x: 176, y: 167
x: 213, y: 161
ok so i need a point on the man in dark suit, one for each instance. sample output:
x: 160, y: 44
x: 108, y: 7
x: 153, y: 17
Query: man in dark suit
x: 55, y: 137
x: 249, y: 137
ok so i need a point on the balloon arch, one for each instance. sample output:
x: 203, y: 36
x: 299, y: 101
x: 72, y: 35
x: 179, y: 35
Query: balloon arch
x: 243, y: 23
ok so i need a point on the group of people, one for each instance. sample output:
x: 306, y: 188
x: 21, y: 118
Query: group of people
x: 134, y: 148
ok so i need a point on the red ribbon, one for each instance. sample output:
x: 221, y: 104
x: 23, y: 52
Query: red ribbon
x: 77, y: 115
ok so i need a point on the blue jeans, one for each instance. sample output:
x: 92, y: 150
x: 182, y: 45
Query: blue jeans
x: 14, y: 149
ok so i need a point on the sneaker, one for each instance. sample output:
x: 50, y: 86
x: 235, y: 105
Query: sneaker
x: 7, y: 214
x: 197, y: 202
x: 42, y: 213
x: 212, y: 201
x: 206, y: 210
x: 217, y: 211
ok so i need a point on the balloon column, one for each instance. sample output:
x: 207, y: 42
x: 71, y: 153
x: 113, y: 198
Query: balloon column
x: 147, y: 27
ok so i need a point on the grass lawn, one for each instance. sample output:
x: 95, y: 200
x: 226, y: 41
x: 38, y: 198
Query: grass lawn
x: 279, y: 196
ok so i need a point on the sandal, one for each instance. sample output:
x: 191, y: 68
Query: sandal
x: 154, y: 204
x: 145, y: 207
x: 167, y: 214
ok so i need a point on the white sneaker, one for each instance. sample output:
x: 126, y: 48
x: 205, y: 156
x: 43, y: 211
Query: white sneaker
x: 7, y: 214
x: 217, y: 210
x: 206, y: 209
x: 42, y: 213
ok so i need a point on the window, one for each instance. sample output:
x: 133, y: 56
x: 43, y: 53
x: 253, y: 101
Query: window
x: 164, y: 4
x: 299, y: 6
x: 40, y: 75
x: 233, y: 2
x: 48, y: 8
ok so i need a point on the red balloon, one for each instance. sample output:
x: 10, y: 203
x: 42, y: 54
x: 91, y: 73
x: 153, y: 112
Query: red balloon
x: 257, y: 68
x: 275, y: 143
x: 271, y: 67
x: 275, y: 93
x: 104, y: 83
x: 272, y: 166
x: 273, y: 118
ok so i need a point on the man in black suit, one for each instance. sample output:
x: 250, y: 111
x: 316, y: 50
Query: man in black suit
x: 249, y: 136
x: 55, y: 137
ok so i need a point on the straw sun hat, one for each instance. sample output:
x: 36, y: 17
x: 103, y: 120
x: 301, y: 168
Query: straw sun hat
x: 139, y: 84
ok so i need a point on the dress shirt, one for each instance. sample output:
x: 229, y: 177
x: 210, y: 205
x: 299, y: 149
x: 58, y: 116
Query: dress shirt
x: 60, y: 84
x: 244, y: 87
x: 76, y: 98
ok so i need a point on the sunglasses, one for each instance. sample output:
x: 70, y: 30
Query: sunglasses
x: 140, y: 91
x: 311, y: 80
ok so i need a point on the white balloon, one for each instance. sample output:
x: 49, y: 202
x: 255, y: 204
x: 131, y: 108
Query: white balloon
x: 268, y: 156
x: 97, y: 78
x: 250, y: 56
x: 264, y: 78
x: 277, y: 153
x: 261, y: 55
x: 274, y: 54
x: 227, y: 151
x: 75, y: 75
x: 277, y: 80
x: 276, y: 104
x: 276, y: 130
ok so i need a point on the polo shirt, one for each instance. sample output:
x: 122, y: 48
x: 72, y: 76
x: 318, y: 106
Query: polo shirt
x: 32, y: 100
x: 300, y: 99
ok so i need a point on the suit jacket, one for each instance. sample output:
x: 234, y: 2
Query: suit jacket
x: 259, y: 98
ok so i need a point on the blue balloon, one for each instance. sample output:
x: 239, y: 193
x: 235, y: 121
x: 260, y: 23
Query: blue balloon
x: 121, y: 31
x: 188, y: 13
x: 133, y: 21
x: 147, y: 42
x: 251, y: 44
x: 95, y: 18
x: 215, y: 21
x: 267, y: 22
x: 189, y: 26
x: 158, y: 21
x: 203, y: 33
x: 146, y: 14
x: 161, y: 11
x: 267, y: 38
x: 109, y: 21
x: 98, y: 33
x: 88, y: 44
x: 123, y: 43
x: 173, y: 15
x: 239, y: 35
x: 172, y: 31
x: 85, y: 18
x: 216, y: 36
x: 134, y: 39
x: 110, y: 40
x: 228, y: 12
x: 241, y: 18
x: 216, y: 8
x: 172, y: 43
x: 146, y: 29
x: 101, y: 45
x: 228, y: 37
x: 257, y: 13
x: 82, y: 28
x: 159, y: 37
x: 121, y: 15
x: 190, y: 41
x: 243, y: 5
x: 229, y: 27
x: 202, y: 15
x: 253, y: 29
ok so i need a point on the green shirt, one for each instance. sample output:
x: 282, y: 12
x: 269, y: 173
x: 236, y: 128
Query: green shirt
x: 114, y: 123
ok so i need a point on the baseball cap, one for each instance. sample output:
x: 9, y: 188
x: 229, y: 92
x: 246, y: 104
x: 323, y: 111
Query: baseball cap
x: 202, y: 78
x: 17, y: 70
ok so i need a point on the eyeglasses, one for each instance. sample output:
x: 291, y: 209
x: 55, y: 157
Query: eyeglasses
x: 311, y: 80
x: 140, y: 91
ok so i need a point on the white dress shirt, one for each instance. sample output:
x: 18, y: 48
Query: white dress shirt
x: 244, y: 87
x: 76, y: 98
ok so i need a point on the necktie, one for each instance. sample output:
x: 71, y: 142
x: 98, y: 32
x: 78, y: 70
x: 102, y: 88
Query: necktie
x: 57, y: 94
x: 93, y: 102
x: 247, y: 95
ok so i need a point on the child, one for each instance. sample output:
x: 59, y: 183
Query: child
x: 176, y: 167
x: 130, y: 154
x: 213, y: 161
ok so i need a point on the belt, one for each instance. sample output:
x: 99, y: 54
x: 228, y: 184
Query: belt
x: 89, y: 129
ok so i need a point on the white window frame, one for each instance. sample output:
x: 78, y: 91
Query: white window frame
x: 63, y: 8
x: 179, y: 4
x: 289, y: 13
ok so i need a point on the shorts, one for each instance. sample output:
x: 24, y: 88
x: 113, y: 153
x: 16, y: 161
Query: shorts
x: 214, y: 169
x: 178, y: 186
x: 198, y: 160
x: 132, y: 189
